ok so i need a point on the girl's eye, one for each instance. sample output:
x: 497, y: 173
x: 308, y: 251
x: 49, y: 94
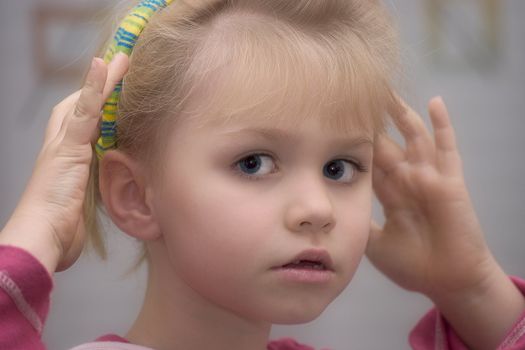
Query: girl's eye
x: 335, y: 169
x: 251, y: 164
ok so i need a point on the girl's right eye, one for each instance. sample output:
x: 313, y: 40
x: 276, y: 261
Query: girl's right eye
x: 252, y: 163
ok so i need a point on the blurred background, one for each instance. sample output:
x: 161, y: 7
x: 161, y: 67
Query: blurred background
x: 472, y: 52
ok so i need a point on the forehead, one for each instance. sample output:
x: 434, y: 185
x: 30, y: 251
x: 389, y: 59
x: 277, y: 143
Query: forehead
x: 288, y: 137
x: 276, y: 103
x: 264, y: 74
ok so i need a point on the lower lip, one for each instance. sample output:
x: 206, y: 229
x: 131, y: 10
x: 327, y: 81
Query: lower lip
x: 304, y: 275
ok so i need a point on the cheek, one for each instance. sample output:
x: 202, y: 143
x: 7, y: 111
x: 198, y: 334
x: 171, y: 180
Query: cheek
x: 218, y: 237
x: 354, y: 229
x: 214, y: 232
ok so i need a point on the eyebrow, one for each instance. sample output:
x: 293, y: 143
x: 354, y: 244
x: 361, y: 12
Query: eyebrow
x: 280, y: 135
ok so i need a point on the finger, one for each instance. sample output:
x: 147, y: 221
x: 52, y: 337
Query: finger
x: 386, y: 189
x: 71, y: 255
x: 387, y: 153
x: 419, y: 144
x: 374, y: 235
x: 447, y: 156
x: 58, y: 114
x: 116, y: 70
x: 82, y: 123
x: 96, y: 132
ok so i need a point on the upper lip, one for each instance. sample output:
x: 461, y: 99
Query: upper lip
x: 319, y: 255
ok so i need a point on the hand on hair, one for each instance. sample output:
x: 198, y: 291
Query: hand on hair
x: 432, y: 241
x: 48, y: 220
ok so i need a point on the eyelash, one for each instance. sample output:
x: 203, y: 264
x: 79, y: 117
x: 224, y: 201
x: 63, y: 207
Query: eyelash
x: 357, y: 165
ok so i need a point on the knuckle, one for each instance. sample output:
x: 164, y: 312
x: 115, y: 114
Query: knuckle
x: 81, y: 109
x: 55, y: 143
x: 88, y: 84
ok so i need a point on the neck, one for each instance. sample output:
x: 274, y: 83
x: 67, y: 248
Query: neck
x: 174, y: 317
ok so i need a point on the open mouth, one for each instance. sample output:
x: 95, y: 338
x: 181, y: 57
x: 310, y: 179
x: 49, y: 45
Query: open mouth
x: 313, y: 259
x: 305, y: 264
x: 312, y: 265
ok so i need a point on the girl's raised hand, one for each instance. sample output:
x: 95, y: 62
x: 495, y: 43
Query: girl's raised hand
x: 48, y: 221
x: 432, y: 241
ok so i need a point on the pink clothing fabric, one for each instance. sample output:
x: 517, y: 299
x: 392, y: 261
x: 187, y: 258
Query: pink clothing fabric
x: 285, y: 343
x: 25, y: 289
x: 434, y: 332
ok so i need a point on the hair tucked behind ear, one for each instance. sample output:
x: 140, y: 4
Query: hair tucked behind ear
x: 345, y: 51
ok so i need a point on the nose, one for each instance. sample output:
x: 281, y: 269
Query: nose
x: 311, y: 209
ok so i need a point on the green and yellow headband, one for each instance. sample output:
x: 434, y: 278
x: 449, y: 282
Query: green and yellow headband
x: 123, y: 41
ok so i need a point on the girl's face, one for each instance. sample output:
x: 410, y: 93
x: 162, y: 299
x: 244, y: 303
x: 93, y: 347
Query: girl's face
x: 235, y: 203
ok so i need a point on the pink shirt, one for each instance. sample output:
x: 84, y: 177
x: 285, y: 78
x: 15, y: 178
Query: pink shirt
x: 25, y: 289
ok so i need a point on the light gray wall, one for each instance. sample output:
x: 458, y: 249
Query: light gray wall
x: 487, y: 107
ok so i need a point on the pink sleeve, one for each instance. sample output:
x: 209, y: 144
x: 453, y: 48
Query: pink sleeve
x: 288, y: 343
x: 434, y: 332
x: 25, y: 288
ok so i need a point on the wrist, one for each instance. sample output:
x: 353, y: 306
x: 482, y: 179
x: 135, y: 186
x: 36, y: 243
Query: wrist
x: 484, y: 282
x: 482, y: 314
x: 34, y: 237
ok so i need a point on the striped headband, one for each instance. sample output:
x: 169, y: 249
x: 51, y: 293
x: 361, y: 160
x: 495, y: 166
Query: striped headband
x: 123, y: 41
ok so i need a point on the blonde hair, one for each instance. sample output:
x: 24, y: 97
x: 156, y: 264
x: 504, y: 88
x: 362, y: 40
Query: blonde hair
x: 345, y: 51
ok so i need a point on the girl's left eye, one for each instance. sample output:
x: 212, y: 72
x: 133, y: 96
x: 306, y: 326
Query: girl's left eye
x: 252, y: 163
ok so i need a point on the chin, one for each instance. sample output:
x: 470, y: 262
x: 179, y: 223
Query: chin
x: 297, y: 314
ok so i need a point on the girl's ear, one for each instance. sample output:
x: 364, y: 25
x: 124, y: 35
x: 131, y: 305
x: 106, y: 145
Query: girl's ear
x: 127, y: 196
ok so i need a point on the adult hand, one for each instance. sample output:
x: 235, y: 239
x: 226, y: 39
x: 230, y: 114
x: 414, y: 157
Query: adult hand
x: 48, y: 221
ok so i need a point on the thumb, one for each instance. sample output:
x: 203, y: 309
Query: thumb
x: 82, y: 123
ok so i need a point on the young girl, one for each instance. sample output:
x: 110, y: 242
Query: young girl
x: 251, y: 139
